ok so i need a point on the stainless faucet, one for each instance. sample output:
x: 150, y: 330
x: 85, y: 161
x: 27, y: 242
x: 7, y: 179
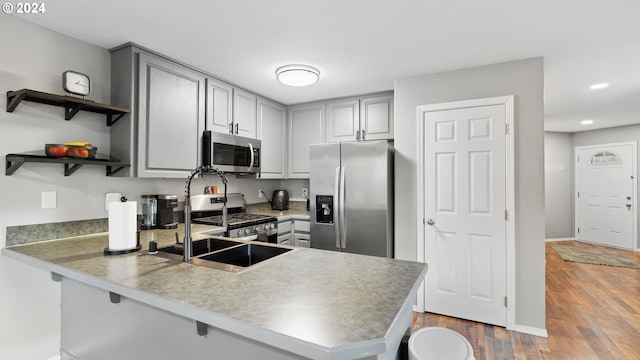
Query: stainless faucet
x: 188, y: 242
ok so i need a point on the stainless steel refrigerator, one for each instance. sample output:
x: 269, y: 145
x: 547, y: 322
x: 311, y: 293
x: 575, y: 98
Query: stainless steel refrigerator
x: 351, y: 186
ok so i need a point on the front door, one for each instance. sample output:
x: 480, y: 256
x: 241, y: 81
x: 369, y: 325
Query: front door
x: 464, y: 192
x: 605, y: 196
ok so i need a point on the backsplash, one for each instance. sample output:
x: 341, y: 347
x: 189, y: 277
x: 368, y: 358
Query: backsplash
x: 26, y: 234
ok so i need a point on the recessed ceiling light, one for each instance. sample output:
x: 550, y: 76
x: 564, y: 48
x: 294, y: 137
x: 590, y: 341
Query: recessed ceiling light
x: 599, y: 86
x: 586, y: 122
x: 297, y: 75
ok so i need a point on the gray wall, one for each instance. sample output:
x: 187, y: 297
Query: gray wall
x: 608, y: 136
x: 558, y: 180
x: 34, y: 58
x: 524, y: 79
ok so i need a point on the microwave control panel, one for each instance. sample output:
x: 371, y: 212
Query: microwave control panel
x: 324, y: 209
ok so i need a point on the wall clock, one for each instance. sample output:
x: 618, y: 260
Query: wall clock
x: 76, y: 83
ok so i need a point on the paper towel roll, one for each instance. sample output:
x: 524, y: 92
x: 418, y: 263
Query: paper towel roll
x: 122, y: 225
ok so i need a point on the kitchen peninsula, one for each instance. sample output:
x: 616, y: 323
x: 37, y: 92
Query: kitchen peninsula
x: 305, y: 303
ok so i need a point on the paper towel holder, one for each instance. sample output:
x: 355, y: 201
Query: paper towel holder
x: 107, y: 251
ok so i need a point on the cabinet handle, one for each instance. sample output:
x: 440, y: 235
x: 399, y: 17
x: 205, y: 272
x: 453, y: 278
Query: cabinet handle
x: 363, y: 134
x: 231, y: 128
x: 358, y: 135
x: 236, y: 128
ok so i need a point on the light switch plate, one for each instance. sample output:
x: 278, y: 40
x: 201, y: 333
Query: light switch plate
x: 111, y: 197
x: 49, y: 199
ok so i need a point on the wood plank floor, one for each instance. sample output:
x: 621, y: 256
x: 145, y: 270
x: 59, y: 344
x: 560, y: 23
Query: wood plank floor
x: 593, y: 312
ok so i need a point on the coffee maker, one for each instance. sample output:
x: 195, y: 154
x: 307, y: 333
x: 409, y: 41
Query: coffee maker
x: 157, y: 211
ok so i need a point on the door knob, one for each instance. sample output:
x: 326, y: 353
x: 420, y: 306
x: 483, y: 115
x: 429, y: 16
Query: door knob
x: 430, y: 222
x: 628, y: 206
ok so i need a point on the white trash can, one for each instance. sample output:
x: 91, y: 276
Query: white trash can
x: 437, y: 343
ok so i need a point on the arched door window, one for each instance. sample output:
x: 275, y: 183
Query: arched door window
x: 605, y: 158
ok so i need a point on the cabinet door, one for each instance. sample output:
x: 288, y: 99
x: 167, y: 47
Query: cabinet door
x: 244, y: 113
x: 171, y: 118
x: 376, y: 117
x: 343, y: 120
x: 219, y: 106
x: 306, y: 127
x: 303, y: 240
x: 272, y: 131
x: 284, y: 239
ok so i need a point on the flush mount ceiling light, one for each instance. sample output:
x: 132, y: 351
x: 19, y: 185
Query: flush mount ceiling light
x: 599, y: 86
x: 586, y: 122
x: 297, y: 75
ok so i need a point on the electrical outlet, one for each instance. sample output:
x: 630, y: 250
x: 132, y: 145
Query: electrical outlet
x: 305, y: 192
x: 49, y: 199
x: 110, y: 197
x: 260, y: 193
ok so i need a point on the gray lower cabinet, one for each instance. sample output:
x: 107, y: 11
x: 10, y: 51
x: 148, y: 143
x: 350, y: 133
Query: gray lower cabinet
x: 285, y: 232
x: 161, y: 137
x: 302, y: 235
x: 94, y: 328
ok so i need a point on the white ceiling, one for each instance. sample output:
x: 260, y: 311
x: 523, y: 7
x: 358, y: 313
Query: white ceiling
x: 361, y: 46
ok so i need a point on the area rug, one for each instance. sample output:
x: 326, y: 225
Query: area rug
x: 593, y: 256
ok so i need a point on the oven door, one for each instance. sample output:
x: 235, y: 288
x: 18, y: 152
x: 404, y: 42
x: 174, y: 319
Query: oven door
x: 230, y: 153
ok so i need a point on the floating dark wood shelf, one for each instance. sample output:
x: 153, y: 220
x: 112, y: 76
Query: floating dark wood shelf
x: 72, y: 105
x: 71, y: 164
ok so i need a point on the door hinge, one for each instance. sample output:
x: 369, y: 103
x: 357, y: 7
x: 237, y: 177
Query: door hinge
x: 423, y: 222
x: 578, y: 230
x: 578, y: 193
x: 506, y: 129
x: 505, y: 302
x: 506, y: 215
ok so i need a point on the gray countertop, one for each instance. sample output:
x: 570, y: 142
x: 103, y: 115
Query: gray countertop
x: 319, y: 303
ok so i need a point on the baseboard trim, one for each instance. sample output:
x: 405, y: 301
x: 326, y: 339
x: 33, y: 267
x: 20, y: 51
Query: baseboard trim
x: 532, y: 331
x: 559, y: 239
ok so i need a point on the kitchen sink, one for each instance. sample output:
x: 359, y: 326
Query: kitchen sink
x: 245, y: 255
x: 201, y: 247
x: 228, y: 255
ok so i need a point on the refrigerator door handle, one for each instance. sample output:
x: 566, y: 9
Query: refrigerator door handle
x: 336, y: 201
x: 343, y: 223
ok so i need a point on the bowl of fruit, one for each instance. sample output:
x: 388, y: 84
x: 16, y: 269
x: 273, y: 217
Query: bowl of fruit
x: 77, y: 149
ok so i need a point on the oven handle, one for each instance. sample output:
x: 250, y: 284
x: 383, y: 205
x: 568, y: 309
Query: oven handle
x: 252, y: 157
x: 250, y: 237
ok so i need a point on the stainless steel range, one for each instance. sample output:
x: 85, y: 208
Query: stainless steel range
x: 207, y: 209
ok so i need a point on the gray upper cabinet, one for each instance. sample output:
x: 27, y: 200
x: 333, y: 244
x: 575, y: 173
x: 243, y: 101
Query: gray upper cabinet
x: 368, y: 118
x: 162, y: 138
x: 244, y: 113
x: 343, y: 120
x: 230, y: 110
x: 219, y: 106
x: 376, y: 117
x: 272, y: 131
x: 306, y: 127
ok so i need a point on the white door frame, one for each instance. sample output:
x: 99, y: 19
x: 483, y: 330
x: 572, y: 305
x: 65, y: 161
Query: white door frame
x: 576, y: 181
x: 508, y: 102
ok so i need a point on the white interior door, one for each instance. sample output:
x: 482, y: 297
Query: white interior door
x: 465, y: 182
x: 605, y: 196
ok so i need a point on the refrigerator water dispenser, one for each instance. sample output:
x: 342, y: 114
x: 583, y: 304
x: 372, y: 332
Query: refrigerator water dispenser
x: 324, y: 209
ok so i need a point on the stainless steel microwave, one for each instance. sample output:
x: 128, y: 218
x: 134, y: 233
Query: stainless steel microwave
x: 231, y: 153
